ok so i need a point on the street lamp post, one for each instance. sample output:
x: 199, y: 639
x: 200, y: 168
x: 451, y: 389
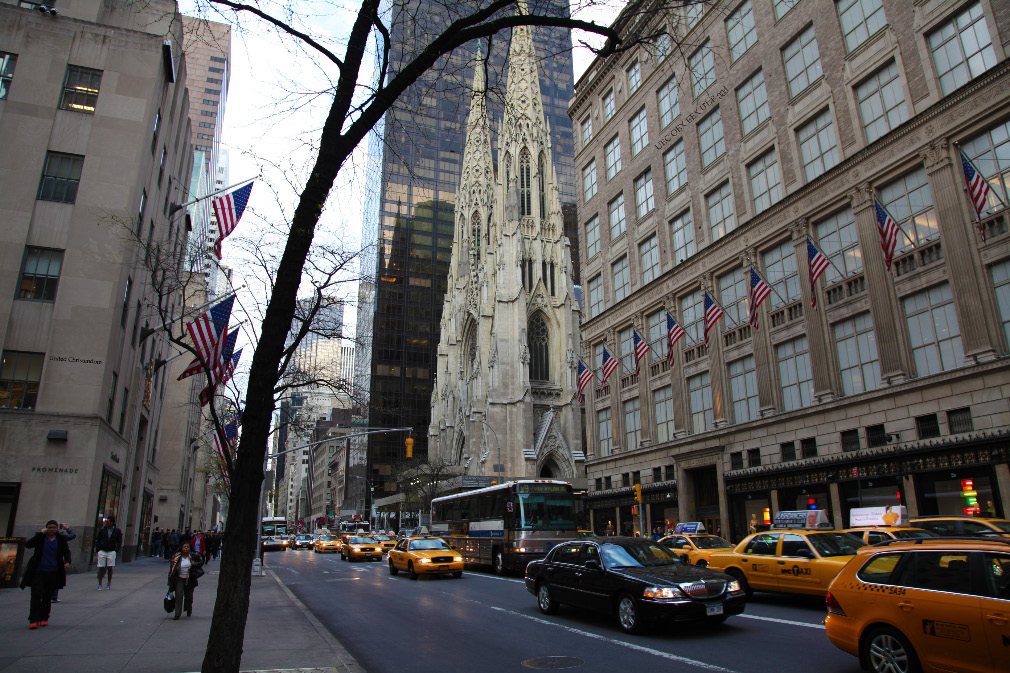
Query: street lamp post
x: 498, y: 466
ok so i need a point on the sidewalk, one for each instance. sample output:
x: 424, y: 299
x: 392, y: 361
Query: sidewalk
x: 127, y: 629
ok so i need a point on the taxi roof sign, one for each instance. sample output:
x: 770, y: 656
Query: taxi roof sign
x: 811, y: 519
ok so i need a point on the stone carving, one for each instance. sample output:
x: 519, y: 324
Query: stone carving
x: 935, y: 154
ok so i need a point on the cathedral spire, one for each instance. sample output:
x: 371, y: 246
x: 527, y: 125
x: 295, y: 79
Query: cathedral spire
x: 523, y: 100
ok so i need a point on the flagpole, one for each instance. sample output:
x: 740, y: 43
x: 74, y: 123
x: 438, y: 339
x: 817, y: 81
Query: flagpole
x: 973, y: 165
x: 888, y: 213
x: 177, y: 207
x: 772, y: 287
x: 148, y: 331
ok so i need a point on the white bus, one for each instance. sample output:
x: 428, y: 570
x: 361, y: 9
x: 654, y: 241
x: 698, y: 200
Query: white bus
x: 506, y: 526
x: 274, y: 533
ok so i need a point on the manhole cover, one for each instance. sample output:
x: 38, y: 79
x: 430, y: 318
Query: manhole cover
x: 553, y: 662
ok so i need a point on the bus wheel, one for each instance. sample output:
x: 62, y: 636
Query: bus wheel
x: 499, y: 563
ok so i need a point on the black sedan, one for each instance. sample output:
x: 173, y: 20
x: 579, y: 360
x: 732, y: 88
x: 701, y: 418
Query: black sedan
x: 303, y: 541
x: 634, y: 578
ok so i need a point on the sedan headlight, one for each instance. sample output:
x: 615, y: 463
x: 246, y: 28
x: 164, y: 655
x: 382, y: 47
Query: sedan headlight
x: 457, y: 559
x: 733, y: 587
x: 663, y: 593
x: 424, y: 560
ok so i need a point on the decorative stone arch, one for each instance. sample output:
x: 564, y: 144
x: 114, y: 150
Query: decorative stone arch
x: 525, y: 184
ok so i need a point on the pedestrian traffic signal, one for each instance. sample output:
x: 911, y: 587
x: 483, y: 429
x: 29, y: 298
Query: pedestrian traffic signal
x: 637, y: 488
x: 410, y: 447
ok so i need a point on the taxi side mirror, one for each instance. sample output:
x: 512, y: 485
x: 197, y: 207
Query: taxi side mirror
x: 592, y: 565
x: 686, y: 546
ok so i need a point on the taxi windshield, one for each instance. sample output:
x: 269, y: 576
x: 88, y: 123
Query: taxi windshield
x: 328, y: 538
x: 636, y: 555
x: 710, y: 542
x: 420, y: 545
x: 913, y: 533
x: 384, y: 538
x: 835, y: 544
x: 361, y: 540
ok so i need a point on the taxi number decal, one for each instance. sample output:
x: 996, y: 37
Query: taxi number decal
x: 881, y: 589
x: 946, y: 630
x: 795, y: 571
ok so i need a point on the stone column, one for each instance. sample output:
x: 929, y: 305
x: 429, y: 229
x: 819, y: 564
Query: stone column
x: 893, y: 351
x: 716, y: 364
x: 979, y: 331
x: 764, y: 366
x: 773, y: 502
x: 678, y: 384
x: 823, y: 363
x: 836, y: 505
x: 911, y: 496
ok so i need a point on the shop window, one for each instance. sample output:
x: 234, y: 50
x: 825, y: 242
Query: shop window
x: 927, y: 426
x: 788, y: 451
x: 876, y: 436
x: 959, y: 420
x: 753, y: 457
x: 809, y: 446
x: 736, y: 460
x: 850, y: 440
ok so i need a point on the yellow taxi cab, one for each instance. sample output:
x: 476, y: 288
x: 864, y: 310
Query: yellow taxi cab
x: 424, y: 555
x: 926, y: 604
x: 387, y: 542
x: 694, y: 548
x: 326, y: 543
x: 357, y: 546
x: 875, y: 534
x: 788, y: 560
x: 956, y: 524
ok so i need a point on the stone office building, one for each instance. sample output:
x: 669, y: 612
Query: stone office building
x: 770, y: 122
x: 93, y: 122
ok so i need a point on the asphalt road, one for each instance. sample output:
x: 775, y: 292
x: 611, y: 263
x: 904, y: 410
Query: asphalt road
x: 491, y: 624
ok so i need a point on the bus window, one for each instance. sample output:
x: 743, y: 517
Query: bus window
x: 544, y: 511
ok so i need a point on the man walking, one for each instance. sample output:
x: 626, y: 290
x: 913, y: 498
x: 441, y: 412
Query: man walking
x: 108, y: 542
x: 156, y: 542
x: 46, y: 571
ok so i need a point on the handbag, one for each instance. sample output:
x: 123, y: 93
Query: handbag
x: 197, y: 572
x: 170, y: 601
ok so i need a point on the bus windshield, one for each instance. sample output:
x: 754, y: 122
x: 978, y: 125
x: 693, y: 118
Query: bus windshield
x: 272, y: 529
x: 544, y: 511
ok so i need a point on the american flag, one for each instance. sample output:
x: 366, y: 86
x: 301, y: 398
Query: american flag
x: 195, y: 367
x: 978, y: 189
x: 888, y: 230
x: 759, y: 291
x: 674, y: 333
x: 818, y: 264
x: 209, y: 329
x: 219, y: 376
x: 585, y: 376
x: 608, y: 363
x: 641, y: 348
x: 712, y: 314
x: 230, y: 435
x: 228, y: 209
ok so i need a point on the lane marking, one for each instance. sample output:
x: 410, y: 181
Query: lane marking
x: 783, y: 621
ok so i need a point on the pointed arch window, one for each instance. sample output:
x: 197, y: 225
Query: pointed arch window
x: 475, y: 231
x: 543, y: 185
x: 538, y: 343
x: 525, y: 185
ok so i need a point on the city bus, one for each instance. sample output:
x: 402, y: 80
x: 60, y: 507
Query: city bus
x: 346, y: 529
x: 504, y: 527
x: 274, y: 533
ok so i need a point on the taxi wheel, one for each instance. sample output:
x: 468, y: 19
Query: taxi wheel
x: 392, y: 568
x: 627, y: 614
x: 545, y: 602
x: 702, y: 563
x: 739, y: 577
x: 410, y: 570
x: 888, y: 651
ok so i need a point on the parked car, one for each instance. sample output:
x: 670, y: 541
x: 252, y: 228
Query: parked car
x: 634, y: 578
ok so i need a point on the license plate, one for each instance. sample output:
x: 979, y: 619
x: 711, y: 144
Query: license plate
x: 442, y: 567
x: 713, y: 610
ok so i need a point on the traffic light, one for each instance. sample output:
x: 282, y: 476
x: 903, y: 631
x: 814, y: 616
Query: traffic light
x: 409, y: 442
x: 637, y: 488
x: 969, y: 498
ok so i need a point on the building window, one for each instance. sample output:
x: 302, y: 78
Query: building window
x: 218, y: 59
x: 876, y: 436
x: 699, y: 390
x: 781, y: 274
x: 675, y: 167
x: 1001, y: 284
x: 694, y: 13
x: 634, y: 77
x: 612, y: 156
x: 608, y: 105
x: 595, y: 296
x: 962, y: 49
x: 112, y: 399
x: 214, y: 80
x: 671, y: 472
x: 881, y: 100
x: 204, y: 136
x: 598, y: 483
x: 589, y: 180
x: 657, y: 334
x: 40, y: 273
x: 711, y: 138
x: 691, y: 316
x: 990, y: 151
x: 208, y: 113
x: 7, y: 63
x: 126, y: 302
x: 593, y: 236
x: 783, y: 6
x: 818, y: 147
x: 933, y: 330
x: 20, y: 373
x: 736, y: 460
x: 639, y: 132
x: 733, y: 294
x: 752, y: 100
x: 657, y: 475
x: 809, y: 447
x: 682, y: 235
x: 207, y: 101
x: 621, y: 280
x: 616, y: 209
x: 927, y: 427
x: 213, y: 92
x: 669, y: 102
x: 608, y: 481
x: 219, y: 71
x: 538, y: 340
x: 721, y: 219
x: 850, y: 440
x: 61, y: 175
x: 959, y: 421
x: 743, y: 386
x: 802, y: 61
x: 741, y: 31
x: 860, y: 19
x: 753, y: 457
x: 587, y: 129
x: 837, y: 239
x: 857, y: 354
x: 663, y: 47
x: 765, y: 183
x: 702, y: 65
x: 910, y: 203
x: 205, y: 125
x: 604, y: 431
x: 648, y: 252
x: 644, y: 202
x: 788, y: 451
x: 122, y: 409
x: 795, y: 374
x: 632, y: 424
x: 80, y: 89
x: 525, y: 185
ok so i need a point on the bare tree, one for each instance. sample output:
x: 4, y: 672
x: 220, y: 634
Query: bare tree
x: 420, y: 482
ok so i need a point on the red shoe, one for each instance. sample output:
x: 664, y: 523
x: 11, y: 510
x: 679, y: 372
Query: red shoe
x: 43, y: 623
x: 33, y: 625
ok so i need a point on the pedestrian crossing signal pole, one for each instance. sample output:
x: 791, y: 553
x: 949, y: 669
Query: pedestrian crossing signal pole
x: 637, y: 489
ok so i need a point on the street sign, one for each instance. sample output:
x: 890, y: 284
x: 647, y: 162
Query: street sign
x: 498, y: 468
x: 476, y: 481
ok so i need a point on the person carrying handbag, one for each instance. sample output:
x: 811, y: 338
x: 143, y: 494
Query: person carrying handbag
x: 184, y: 571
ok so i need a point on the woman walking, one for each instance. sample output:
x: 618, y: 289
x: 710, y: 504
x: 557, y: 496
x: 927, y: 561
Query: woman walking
x: 183, y: 573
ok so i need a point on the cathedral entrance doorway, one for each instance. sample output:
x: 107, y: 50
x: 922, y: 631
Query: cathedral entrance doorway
x: 550, y: 470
